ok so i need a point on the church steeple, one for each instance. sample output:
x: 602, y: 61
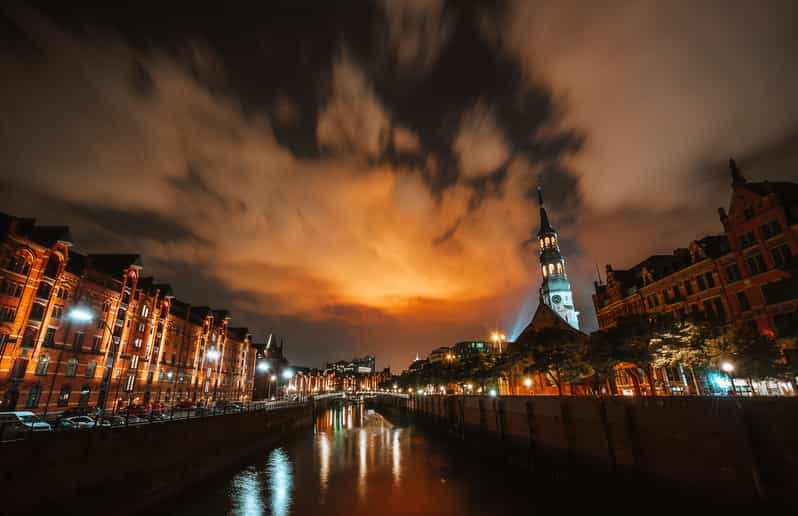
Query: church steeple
x: 737, y: 176
x: 545, y: 226
x: 555, y: 289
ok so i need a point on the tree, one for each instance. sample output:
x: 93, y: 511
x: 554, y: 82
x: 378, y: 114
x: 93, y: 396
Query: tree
x: 683, y: 344
x: 753, y: 354
x: 560, y: 355
x: 603, y: 354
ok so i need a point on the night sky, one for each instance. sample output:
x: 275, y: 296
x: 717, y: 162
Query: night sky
x: 358, y: 177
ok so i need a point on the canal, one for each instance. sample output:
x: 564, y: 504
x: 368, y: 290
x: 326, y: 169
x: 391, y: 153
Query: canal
x: 357, y: 462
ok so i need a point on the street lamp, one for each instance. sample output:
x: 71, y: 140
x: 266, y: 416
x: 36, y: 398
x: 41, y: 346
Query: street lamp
x: 263, y: 367
x: 528, y: 382
x: 213, y: 354
x: 272, y: 379
x: 728, y: 368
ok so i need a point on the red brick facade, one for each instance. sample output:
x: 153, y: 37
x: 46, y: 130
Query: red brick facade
x: 91, y: 331
x: 747, y: 273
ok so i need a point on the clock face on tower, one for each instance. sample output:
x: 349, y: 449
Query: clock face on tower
x: 556, y: 299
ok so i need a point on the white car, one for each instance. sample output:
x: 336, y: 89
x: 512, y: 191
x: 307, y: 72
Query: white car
x: 20, y: 421
x: 81, y: 422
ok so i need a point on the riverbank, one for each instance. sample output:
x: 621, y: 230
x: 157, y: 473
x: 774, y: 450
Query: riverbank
x: 690, y: 455
x: 134, y: 468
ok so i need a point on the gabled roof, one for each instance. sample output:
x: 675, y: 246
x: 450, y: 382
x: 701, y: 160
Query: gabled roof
x: 545, y: 317
x: 714, y: 246
x: 45, y: 236
x: 76, y: 263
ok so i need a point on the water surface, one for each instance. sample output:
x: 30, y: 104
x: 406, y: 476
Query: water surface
x: 356, y: 462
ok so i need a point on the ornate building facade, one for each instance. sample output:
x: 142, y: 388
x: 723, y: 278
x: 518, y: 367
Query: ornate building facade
x: 89, y: 330
x: 747, y: 273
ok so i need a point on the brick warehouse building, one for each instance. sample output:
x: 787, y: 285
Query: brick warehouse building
x: 747, y: 273
x: 88, y: 330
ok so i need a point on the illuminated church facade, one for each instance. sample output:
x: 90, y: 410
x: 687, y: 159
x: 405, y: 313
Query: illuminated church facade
x: 555, y: 291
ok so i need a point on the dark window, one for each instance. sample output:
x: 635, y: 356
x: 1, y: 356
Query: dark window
x: 63, y: 396
x: 3, y: 343
x: 83, y: 401
x: 37, y: 312
x: 43, y: 292
x: 77, y: 341
x: 764, y: 230
x: 100, y: 324
x: 775, y: 227
x: 106, y: 306
x: 748, y: 212
x: 42, y: 364
x: 733, y: 273
x: 747, y: 239
x: 33, y: 395
x: 49, y: 337
x: 97, y: 343
x: 701, y: 283
x: 53, y: 264
x: 708, y: 309
x: 29, y: 338
x: 719, y: 310
x: 781, y: 255
x: 8, y: 314
x: 710, y: 279
x: 756, y: 264
x: 743, y: 300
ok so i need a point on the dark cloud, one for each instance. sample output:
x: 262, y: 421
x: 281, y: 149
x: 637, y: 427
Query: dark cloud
x: 360, y: 176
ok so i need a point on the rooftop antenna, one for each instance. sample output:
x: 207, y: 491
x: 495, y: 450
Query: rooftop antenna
x: 598, y: 273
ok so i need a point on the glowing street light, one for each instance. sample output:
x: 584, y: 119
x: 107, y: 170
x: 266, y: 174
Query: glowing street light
x: 263, y: 367
x: 80, y: 314
x: 527, y: 382
x: 728, y: 368
x: 492, y: 393
x: 288, y: 374
x: 213, y: 354
x: 273, y: 378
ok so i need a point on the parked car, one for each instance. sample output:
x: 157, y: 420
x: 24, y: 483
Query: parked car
x: 133, y: 419
x: 81, y: 422
x: 92, y: 412
x: 228, y: 406
x: 112, y: 421
x: 14, y: 424
x: 184, y: 405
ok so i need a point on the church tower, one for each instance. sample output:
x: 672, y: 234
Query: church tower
x: 555, y: 290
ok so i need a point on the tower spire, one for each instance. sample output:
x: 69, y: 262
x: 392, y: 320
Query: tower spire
x: 737, y: 176
x: 545, y: 225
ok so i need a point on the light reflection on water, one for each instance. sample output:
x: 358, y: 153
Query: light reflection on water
x: 356, y: 462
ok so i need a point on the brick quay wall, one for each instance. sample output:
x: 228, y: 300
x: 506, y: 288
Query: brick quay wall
x: 731, y: 452
x: 126, y: 470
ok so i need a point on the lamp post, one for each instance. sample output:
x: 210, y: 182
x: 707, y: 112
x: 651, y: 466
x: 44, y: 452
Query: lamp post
x: 262, y: 368
x: 728, y: 368
x: 272, y: 379
x: 528, y: 383
x: 288, y: 374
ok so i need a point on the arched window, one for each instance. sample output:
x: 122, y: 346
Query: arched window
x: 551, y: 268
x: 559, y: 268
x: 91, y: 368
x: 71, y: 367
x: 541, y: 244
x: 33, y: 395
x: 553, y: 241
x: 544, y: 271
x: 42, y: 364
x: 53, y: 265
x: 548, y: 241
x: 63, y: 396
x: 85, y: 392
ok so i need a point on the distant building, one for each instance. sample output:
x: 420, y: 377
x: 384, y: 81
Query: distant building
x: 438, y: 355
x: 463, y: 350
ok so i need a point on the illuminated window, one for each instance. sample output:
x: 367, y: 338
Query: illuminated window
x: 42, y: 364
x: 91, y: 368
x: 71, y: 367
x: 134, y: 362
x: 145, y: 310
x: 63, y: 396
x: 551, y: 268
x: 559, y: 268
x: 544, y: 271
